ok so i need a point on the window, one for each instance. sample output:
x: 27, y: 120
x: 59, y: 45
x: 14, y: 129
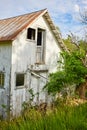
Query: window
x: 1, y: 79
x: 39, y: 37
x: 20, y: 79
x: 31, y: 34
x: 40, y: 45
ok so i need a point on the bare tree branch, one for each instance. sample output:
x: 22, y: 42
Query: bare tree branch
x: 83, y: 16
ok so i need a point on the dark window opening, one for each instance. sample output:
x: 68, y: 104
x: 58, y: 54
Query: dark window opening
x: 19, y: 79
x: 31, y: 34
x: 41, y: 34
x: 1, y: 79
x: 39, y: 37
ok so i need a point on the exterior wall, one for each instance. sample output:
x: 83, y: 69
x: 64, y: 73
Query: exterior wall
x: 24, y: 61
x: 52, y: 52
x: 5, y: 66
x: 37, y: 84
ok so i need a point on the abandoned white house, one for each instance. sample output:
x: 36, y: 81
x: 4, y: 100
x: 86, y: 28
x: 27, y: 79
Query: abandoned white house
x: 29, y: 48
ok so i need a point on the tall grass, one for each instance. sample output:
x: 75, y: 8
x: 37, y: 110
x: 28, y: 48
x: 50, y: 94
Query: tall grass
x: 60, y: 118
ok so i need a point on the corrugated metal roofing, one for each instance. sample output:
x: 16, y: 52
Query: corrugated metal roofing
x: 10, y: 27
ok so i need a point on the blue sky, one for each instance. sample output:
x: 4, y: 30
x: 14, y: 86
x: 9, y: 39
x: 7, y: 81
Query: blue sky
x: 64, y: 13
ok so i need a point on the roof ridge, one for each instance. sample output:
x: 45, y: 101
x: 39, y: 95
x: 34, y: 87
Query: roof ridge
x: 24, y: 14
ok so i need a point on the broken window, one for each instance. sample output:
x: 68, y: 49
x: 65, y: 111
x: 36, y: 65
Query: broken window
x: 20, y: 79
x: 31, y: 34
x: 40, y: 45
x: 1, y: 79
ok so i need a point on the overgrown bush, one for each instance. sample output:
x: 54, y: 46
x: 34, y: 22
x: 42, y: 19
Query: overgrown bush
x: 60, y: 118
x: 73, y: 72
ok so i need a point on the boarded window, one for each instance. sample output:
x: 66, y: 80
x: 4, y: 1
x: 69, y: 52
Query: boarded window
x: 1, y: 79
x: 19, y: 79
x: 31, y: 34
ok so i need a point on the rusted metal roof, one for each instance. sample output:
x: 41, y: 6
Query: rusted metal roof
x: 11, y: 27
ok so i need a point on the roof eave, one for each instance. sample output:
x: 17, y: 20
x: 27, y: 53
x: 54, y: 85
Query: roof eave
x: 55, y: 31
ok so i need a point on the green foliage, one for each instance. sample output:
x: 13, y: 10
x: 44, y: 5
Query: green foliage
x: 68, y: 44
x: 28, y: 104
x: 61, y: 118
x: 31, y: 94
x: 82, y: 44
x: 74, y: 68
x: 73, y: 72
x: 56, y: 82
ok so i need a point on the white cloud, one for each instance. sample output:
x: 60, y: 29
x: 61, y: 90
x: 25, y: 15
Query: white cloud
x: 84, y: 1
x: 76, y: 8
x: 63, y: 12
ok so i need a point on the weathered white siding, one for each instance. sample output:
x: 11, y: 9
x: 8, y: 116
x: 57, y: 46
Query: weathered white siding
x: 24, y: 58
x: 52, y: 52
x: 37, y: 84
x: 5, y: 66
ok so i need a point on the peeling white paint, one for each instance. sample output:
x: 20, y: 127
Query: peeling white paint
x: 5, y: 67
x: 21, y: 58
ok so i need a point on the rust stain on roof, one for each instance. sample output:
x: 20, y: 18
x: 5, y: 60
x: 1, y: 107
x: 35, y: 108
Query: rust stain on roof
x: 11, y: 27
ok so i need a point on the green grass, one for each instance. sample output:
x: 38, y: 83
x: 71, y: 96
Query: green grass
x: 60, y: 118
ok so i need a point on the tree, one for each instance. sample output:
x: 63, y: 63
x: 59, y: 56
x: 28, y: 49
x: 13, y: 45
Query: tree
x: 83, y: 16
x: 68, y: 44
x: 73, y: 72
x: 83, y: 20
x: 74, y: 65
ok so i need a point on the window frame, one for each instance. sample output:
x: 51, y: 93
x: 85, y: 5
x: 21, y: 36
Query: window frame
x: 42, y: 45
x: 2, y: 86
x: 32, y: 29
x: 40, y: 40
x: 19, y: 86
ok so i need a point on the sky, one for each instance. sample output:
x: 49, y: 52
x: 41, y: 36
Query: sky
x: 64, y: 13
